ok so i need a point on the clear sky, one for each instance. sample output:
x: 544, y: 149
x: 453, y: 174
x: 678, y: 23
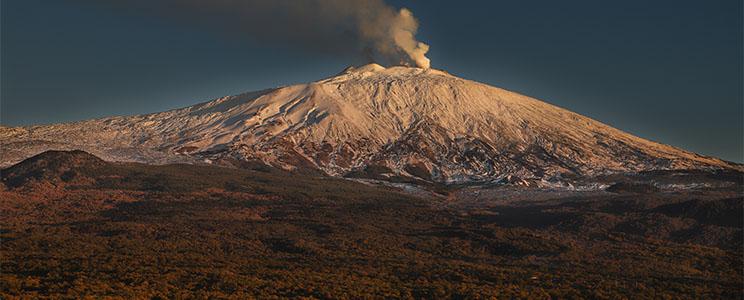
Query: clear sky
x: 669, y: 71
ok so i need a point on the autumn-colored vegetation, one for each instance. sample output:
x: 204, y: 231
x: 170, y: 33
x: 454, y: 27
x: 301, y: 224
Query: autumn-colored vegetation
x: 77, y: 227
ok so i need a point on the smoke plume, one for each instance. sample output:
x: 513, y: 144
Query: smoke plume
x: 383, y: 33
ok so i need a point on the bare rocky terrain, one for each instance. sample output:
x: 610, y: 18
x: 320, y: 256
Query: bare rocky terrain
x: 374, y: 122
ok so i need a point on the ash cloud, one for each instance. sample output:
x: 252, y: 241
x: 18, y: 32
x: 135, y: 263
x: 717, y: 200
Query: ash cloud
x: 383, y: 33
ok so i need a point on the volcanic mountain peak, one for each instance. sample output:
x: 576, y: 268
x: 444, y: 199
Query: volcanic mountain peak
x: 372, y: 67
x: 412, y: 122
x: 377, y: 71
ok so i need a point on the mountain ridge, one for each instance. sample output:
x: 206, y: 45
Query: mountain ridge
x: 447, y: 128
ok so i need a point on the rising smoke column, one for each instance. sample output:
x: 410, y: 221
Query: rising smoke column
x: 393, y: 36
x: 364, y: 26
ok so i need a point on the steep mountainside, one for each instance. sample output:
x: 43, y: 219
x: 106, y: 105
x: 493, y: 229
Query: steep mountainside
x: 404, y: 121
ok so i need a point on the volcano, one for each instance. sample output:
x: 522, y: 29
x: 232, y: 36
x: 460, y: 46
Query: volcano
x: 369, y: 121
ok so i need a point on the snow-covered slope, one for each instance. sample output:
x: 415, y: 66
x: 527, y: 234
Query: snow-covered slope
x: 422, y: 123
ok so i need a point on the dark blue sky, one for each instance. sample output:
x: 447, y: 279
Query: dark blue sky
x: 669, y: 71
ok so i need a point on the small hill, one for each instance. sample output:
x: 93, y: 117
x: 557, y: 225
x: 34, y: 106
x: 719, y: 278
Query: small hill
x: 53, y: 167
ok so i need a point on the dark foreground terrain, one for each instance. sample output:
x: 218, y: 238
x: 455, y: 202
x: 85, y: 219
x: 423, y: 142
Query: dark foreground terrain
x: 74, y: 226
